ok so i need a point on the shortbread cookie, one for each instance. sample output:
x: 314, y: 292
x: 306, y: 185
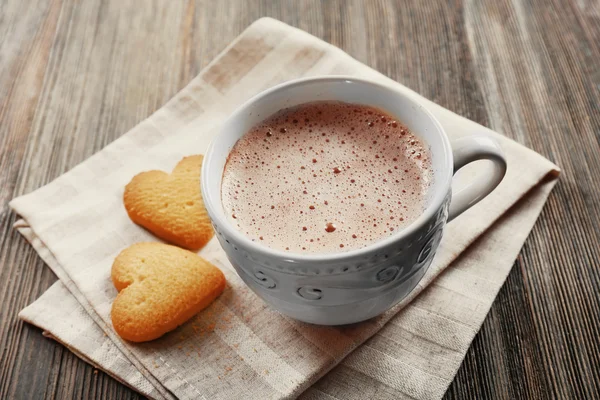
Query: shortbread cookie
x: 171, y: 206
x: 160, y: 287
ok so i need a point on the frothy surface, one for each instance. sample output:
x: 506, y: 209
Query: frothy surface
x: 325, y: 177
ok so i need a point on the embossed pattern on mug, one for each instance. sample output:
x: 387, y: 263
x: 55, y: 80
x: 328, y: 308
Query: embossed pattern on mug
x: 326, y: 177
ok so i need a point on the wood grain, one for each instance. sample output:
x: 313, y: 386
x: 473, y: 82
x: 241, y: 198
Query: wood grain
x: 74, y: 76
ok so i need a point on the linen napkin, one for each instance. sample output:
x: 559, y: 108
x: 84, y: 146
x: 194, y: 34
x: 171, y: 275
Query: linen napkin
x: 238, y: 347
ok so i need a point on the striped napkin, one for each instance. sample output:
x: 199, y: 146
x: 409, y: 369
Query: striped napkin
x: 238, y: 347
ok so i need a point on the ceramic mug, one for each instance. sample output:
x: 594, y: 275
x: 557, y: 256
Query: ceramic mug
x: 350, y: 286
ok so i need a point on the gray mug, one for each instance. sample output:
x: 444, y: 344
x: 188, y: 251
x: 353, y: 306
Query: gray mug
x: 352, y: 286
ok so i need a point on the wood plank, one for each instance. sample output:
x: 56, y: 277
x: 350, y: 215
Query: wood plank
x: 76, y: 75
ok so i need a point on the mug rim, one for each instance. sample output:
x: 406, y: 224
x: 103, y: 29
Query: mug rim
x: 213, y: 200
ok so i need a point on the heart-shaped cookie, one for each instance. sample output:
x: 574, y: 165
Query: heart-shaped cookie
x: 171, y: 206
x: 160, y: 287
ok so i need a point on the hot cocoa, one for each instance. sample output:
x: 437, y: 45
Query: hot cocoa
x: 326, y: 177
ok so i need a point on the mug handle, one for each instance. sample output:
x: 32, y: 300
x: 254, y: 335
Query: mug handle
x: 466, y: 150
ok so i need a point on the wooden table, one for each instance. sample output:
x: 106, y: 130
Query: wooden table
x: 75, y: 75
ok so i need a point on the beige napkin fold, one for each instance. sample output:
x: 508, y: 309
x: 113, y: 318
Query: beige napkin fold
x: 238, y: 347
x: 410, y: 358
